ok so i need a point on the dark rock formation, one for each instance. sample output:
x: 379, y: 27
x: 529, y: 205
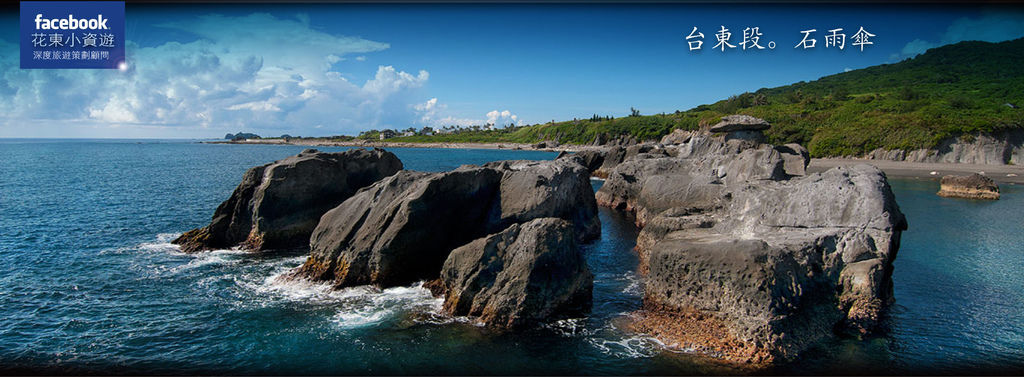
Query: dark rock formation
x: 747, y: 259
x: 241, y: 136
x: 277, y: 205
x: 536, y: 189
x: 524, y: 274
x: 592, y: 159
x: 401, y: 229
x: 612, y: 157
x: 974, y: 186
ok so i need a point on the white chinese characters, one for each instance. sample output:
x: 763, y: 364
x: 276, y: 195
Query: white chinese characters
x: 752, y: 36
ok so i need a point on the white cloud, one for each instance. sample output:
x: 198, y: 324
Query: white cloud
x: 433, y: 113
x: 501, y: 118
x: 992, y: 26
x: 250, y: 76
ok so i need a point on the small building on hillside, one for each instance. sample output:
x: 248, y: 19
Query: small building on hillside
x: 387, y: 134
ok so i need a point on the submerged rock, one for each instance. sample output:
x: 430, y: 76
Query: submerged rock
x: 524, y: 274
x: 974, y: 186
x: 277, y: 205
x: 402, y: 229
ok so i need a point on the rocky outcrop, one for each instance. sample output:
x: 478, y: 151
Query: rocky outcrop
x: 974, y: 186
x: 402, y: 229
x: 614, y: 156
x: 592, y: 159
x: 277, y: 205
x: 795, y: 158
x: 748, y: 259
x: 677, y: 136
x: 647, y: 187
x: 526, y: 273
x: 999, y: 148
x: 779, y: 264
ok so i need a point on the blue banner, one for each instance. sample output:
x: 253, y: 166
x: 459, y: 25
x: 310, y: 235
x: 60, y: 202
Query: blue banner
x: 72, y: 34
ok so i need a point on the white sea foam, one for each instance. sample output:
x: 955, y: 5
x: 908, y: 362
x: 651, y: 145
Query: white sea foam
x: 161, y: 244
x: 629, y: 347
x: 569, y: 327
x: 620, y: 343
x: 361, y: 317
x: 635, y: 286
x: 359, y: 306
x: 213, y: 257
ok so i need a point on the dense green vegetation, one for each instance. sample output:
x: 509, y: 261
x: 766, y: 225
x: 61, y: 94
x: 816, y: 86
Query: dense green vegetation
x: 949, y: 91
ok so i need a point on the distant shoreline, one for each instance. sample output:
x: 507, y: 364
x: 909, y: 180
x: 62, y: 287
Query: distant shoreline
x: 1011, y: 174
x: 402, y: 144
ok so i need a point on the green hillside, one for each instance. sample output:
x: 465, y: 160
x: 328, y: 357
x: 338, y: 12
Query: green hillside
x: 949, y: 91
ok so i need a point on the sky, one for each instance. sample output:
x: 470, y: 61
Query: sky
x: 201, y: 71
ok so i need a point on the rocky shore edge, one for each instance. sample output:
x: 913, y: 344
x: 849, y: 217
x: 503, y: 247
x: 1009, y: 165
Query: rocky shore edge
x: 746, y: 255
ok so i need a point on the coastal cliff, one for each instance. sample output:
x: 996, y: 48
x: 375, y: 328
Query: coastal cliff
x: 1002, y: 148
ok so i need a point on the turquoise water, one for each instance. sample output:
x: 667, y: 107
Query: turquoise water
x: 89, y: 283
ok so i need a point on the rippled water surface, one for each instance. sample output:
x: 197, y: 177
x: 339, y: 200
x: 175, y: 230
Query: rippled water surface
x: 89, y: 283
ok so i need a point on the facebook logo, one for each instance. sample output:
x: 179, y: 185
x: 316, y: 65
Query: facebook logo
x: 72, y: 34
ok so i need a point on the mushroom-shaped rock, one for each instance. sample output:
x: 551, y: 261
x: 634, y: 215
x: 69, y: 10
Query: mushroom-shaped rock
x: 732, y: 123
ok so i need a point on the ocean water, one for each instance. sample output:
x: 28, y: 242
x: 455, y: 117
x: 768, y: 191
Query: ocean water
x: 90, y: 284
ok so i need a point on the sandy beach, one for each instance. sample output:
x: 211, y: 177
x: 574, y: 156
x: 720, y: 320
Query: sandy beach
x: 1010, y: 174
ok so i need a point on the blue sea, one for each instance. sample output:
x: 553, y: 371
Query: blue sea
x: 90, y: 284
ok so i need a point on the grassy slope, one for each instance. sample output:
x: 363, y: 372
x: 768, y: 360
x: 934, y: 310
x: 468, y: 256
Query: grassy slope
x: 948, y: 91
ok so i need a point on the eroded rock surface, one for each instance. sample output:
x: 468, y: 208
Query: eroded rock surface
x: 974, y: 186
x: 277, y: 205
x: 747, y: 258
x: 402, y: 229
